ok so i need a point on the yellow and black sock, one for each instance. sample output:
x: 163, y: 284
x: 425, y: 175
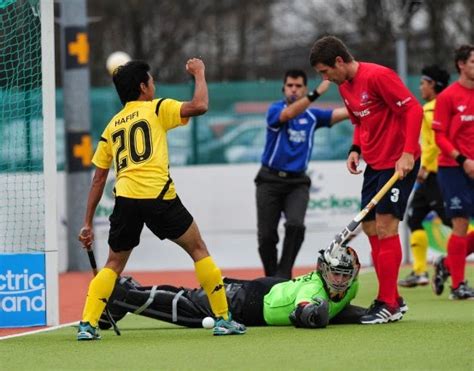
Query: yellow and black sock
x: 210, y: 279
x: 100, y: 289
x: 419, y: 248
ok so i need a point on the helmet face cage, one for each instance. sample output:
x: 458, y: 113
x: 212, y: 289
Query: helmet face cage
x: 340, y: 277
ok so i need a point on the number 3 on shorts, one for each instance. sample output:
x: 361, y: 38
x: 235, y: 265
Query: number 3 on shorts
x: 395, y: 195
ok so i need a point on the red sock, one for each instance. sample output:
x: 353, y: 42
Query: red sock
x: 389, y: 260
x: 375, y: 249
x: 457, y: 247
x: 470, y: 243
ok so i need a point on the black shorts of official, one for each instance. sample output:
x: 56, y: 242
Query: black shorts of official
x: 165, y: 218
x: 395, y: 200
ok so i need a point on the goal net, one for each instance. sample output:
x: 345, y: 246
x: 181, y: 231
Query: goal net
x: 28, y: 246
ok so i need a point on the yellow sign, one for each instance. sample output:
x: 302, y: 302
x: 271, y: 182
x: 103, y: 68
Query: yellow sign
x: 84, y: 150
x: 80, y: 48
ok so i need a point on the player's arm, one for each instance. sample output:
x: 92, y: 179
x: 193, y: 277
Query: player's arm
x: 314, y: 314
x: 338, y: 115
x: 200, y: 102
x: 440, y: 126
x: 401, y: 101
x: 86, y: 235
x: 298, y: 107
x: 353, y: 155
x: 430, y: 152
x: 413, y: 118
x: 312, y: 308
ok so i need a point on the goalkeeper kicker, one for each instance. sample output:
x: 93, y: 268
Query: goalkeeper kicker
x: 314, y: 300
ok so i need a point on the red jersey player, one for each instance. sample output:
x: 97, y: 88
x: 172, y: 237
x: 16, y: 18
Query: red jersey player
x: 387, y: 121
x: 454, y: 133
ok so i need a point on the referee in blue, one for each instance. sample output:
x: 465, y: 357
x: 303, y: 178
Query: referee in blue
x: 282, y: 183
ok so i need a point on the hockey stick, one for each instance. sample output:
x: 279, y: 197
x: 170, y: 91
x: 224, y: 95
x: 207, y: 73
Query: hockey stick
x: 90, y: 254
x: 350, y: 228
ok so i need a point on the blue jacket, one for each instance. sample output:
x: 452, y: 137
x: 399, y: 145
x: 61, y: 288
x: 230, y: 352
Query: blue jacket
x: 289, y: 145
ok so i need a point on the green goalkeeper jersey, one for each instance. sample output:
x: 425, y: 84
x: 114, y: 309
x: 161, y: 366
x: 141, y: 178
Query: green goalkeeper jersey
x: 284, y: 297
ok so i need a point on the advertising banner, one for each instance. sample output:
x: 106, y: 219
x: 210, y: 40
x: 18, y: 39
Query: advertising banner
x: 22, y: 290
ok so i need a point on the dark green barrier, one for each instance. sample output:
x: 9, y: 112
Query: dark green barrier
x: 233, y: 130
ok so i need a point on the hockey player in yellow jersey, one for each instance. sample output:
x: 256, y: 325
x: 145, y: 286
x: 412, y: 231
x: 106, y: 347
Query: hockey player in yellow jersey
x: 427, y: 196
x: 134, y: 143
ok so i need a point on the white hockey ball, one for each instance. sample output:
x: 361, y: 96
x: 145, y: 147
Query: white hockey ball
x: 116, y: 59
x: 208, y: 322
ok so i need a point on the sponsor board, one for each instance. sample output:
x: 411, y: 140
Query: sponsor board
x: 22, y: 290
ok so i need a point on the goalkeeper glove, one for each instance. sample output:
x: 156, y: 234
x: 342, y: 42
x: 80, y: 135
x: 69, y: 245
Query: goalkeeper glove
x: 311, y: 314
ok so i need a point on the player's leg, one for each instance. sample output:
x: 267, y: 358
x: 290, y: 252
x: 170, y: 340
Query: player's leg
x: 168, y: 303
x: 441, y: 269
x: 418, y: 209
x: 99, y: 291
x: 210, y: 279
x: 389, y: 211
x: 389, y: 258
x: 458, y: 192
x: 269, y: 198
x: 470, y: 240
x: 122, y: 287
x: 457, y: 249
x: 369, y: 189
x: 207, y: 272
x: 295, y: 205
x: 170, y: 219
x: 124, y: 234
x: 162, y: 302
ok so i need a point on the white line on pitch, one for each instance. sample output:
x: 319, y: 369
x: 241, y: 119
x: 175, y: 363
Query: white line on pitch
x: 39, y: 331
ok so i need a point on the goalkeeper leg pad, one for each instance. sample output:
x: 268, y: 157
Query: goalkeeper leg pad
x: 165, y: 303
x: 123, y: 285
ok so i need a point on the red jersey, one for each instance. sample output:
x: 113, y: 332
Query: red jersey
x: 386, y: 115
x: 454, y: 123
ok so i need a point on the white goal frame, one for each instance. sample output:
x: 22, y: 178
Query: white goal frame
x: 49, y: 161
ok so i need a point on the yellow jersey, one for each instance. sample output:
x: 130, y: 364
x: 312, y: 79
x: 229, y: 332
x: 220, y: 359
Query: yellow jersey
x: 429, y: 149
x: 135, y: 142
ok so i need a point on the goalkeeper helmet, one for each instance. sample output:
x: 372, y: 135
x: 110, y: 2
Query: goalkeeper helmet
x: 339, y: 278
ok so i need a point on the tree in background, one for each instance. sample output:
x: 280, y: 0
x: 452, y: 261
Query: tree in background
x: 256, y: 39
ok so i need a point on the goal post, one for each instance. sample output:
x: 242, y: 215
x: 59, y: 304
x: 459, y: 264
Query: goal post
x: 49, y: 160
x: 28, y: 213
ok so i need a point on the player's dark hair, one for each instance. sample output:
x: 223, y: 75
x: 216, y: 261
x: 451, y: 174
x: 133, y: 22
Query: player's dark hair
x: 462, y: 54
x: 295, y: 73
x: 127, y: 80
x: 439, y: 76
x: 326, y: 49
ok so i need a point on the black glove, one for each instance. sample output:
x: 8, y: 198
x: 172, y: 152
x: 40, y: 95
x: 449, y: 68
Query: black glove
x: 313, y: 314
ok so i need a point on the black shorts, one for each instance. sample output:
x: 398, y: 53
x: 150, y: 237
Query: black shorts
x: 395, y: 200
x: 426, y: 198
x: 165, y: 218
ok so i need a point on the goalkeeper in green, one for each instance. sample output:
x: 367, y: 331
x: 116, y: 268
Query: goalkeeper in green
x: 313, y: 300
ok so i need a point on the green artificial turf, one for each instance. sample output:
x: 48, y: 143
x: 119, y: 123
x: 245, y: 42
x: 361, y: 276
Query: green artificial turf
x: 436, y: 334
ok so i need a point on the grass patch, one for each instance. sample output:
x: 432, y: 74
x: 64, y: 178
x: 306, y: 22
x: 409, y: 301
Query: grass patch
x: 436, y: 334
